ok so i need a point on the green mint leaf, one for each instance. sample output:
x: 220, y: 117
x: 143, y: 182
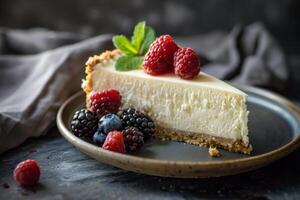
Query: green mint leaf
x: 138, y: 35
x: 127, y: 63
x: 122, y: 43
x: 148, y: 39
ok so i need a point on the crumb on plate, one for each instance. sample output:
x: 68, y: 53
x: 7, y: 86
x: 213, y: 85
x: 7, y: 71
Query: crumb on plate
x: 213, y: 152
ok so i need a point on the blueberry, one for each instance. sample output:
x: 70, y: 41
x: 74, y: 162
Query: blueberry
x: 109, y: 122
x: 99, y: 138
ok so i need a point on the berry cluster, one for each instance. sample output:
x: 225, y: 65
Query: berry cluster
x: 164, y: 56
x: 102, y: 124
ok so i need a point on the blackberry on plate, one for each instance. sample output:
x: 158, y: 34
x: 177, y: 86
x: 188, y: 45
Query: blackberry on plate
x: 84, y: 123
x: 134, y: 118
x: 109, y: 122
x: 133, y: 139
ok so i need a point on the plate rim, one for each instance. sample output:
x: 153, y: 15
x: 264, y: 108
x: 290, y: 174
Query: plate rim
x: 270, y: 156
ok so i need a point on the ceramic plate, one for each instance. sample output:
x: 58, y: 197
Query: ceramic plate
x: 274, y: 129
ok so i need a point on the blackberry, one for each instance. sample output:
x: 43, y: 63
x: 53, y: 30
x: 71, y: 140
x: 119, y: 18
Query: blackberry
x: 134, y: 118
x: 133, y: 139
x: 84, y: 123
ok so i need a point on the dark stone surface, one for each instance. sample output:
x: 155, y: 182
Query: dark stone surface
x: 69, y: 174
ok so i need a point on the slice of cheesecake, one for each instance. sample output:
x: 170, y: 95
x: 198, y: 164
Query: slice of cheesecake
x: 201, y: 111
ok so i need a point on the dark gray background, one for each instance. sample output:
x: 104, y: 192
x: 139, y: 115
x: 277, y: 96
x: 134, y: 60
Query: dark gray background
x: 179, y: 18
x: 175, y: 17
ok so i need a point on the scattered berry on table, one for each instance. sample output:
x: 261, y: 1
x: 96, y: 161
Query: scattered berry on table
x: 114, y: 142
x: 159, y: 58
x: 186, y: 62
x: 27, y: 173
x: 104, y: 102
x: 99, y: 138
x: 133, y: 139
x: 109, y: 122
x: 84, y: 123
x: 134, y: 118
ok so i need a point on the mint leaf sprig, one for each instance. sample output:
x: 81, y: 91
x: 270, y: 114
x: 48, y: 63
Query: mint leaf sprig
x: 133, y: 51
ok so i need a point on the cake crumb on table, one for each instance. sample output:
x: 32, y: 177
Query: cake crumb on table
x: 214, y: 152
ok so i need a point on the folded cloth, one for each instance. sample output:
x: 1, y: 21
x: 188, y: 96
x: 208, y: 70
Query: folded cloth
x: 248, y: 55
x: 33, y: 86
x: 40, y: 69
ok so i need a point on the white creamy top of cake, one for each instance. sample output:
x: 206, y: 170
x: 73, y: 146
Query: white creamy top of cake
x: 203, y: 79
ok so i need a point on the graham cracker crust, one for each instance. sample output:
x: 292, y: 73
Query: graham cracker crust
x: 203, y: 140
x: 94, y: 60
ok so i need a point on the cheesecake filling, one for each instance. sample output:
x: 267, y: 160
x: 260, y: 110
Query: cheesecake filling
x: 202, y: 105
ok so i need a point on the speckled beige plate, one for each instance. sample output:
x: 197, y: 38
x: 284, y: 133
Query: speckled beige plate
x: 274, y: 132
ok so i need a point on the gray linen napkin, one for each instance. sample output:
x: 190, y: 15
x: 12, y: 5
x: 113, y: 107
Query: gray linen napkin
x: 33, y: 86
x: 40, y: 69
x: 248, y: 55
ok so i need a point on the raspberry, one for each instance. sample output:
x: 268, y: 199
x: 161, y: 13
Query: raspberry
x: 114, y: 142
x: 159, y: 58
x: 186, y: 62
x: 84, y: 123
x: 27, y: 173
x: 134, y: 118
x: 104, y: 102
x: 133, y: 139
